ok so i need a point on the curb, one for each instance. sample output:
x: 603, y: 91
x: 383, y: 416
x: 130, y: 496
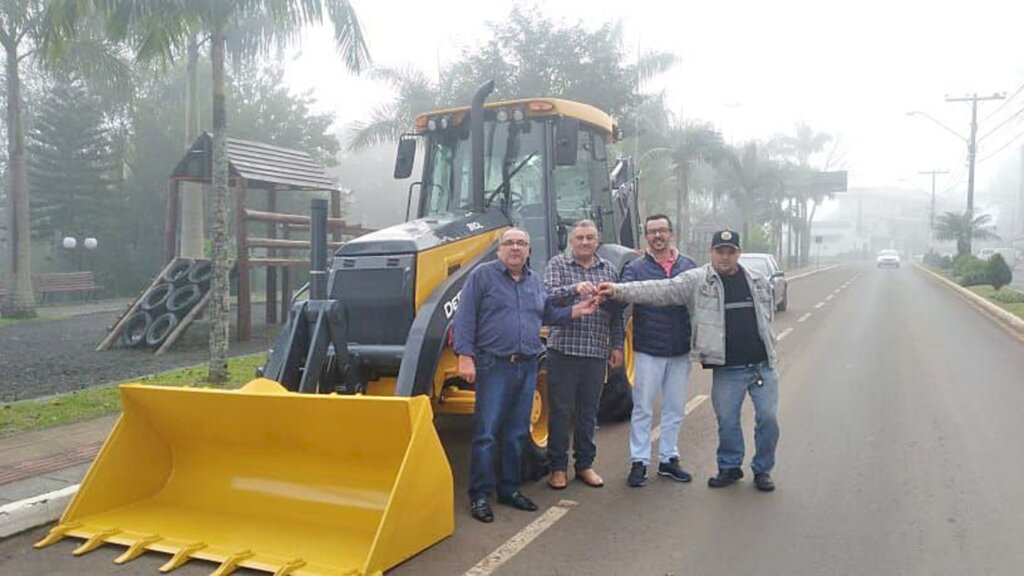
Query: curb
x: 36, y: 511
x: 1002, y: 317
x: 812, y: 272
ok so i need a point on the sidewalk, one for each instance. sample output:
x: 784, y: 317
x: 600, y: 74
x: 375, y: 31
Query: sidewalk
x: 45, y: 462
x: 79, y: 308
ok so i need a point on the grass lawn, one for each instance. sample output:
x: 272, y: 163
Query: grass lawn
x: 8, y: 321
x: 988, y: 293
x: 89, y: 403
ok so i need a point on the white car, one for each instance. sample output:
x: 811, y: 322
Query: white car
x: 888, y: 259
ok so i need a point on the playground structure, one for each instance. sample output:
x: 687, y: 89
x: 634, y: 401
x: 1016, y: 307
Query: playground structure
x: 253, y: 168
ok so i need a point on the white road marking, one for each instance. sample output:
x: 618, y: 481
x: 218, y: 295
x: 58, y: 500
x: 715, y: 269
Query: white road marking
x: 829, y: 297
x: 819, y: 305
x: 784, y: 333
x: 804, y: 317
x: 690, y: 407
x: 521, y: 540
x: 694, y: 403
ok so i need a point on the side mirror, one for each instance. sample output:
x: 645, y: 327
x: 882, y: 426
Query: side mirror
x: 567, y: 133
x: 778, y: 274
x: 405, y: 158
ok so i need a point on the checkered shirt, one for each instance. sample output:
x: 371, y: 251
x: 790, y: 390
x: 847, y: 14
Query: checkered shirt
x: 591, y: 336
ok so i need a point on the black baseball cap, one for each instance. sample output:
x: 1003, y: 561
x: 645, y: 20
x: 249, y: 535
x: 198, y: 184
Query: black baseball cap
x: 726, y: 238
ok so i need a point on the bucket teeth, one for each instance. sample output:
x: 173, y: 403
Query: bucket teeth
x: 181, y: 556
x: 56, y: 533
x: 231, y: 563
x: 95, y: 541
x: 137, y: 548
x: 287, y: 569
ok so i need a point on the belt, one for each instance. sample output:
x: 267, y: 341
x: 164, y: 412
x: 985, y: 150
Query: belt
x: 516, y: 357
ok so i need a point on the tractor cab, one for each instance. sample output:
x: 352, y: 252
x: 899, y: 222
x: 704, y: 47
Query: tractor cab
x: 544, y: 165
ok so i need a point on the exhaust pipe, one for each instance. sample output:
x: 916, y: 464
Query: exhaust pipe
x: 476, y: 117
x: 318, y: 249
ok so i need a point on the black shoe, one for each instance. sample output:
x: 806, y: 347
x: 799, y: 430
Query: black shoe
x: 763, y: 482
x: 637, y: 475
x: 481, y: 510
x: 672, y: 470
x: 518, y: 500
x: 726, y: 476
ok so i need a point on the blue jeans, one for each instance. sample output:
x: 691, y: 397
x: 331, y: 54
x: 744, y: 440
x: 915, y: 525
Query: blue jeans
x: 668, y: 376
x: 504, y: 398
x: 729, y: 387
x: 574, y: 395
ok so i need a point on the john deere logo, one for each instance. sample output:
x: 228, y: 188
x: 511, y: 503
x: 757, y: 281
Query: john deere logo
x: 727, y: 235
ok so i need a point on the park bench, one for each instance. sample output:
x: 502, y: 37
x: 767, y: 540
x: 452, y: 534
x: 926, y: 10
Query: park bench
x: 64, y: 283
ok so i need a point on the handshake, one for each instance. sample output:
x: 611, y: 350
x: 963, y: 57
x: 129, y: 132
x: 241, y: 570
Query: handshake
x: 593, y: 295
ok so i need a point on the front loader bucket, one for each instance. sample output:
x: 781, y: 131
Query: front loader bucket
x: 266, y: 479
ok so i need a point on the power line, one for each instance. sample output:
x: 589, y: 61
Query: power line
x: 953, y: 180
x: 1003, y: 147
x: 1001, y: 124
x: 1005, y: 102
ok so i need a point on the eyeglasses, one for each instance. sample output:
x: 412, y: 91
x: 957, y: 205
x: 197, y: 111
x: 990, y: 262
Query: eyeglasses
x: 660, y: 232
x: 517, y: 243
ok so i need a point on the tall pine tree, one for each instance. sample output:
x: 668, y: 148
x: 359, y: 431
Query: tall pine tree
x: 72, y: 165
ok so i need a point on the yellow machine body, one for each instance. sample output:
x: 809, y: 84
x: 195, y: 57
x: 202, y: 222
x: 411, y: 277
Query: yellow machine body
x: 266, y: 479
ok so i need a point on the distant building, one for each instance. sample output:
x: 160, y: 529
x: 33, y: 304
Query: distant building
x: 871, y: 219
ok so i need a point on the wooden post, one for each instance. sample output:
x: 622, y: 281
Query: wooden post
x: 244, y: 323
x: 171, y: 221
x: 286, y: 282
x: 271, y: 270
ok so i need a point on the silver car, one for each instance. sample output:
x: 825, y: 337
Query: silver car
x: 766, y: 264
x: 888, y: 259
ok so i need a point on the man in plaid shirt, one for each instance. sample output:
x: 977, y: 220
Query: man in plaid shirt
x: 577, y: 354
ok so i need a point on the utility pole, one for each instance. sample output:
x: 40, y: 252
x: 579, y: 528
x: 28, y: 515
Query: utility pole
x: 931, y: 216
x: 972, y: 149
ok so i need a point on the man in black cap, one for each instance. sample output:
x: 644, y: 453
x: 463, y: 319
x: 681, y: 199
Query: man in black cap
x: 730, y: 313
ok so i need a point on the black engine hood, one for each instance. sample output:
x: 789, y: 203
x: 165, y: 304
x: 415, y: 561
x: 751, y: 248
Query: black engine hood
x: 423, y: 234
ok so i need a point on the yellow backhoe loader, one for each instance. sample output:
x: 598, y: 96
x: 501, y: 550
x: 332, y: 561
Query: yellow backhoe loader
x: 329, y: 463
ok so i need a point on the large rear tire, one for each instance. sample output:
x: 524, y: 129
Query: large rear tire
x: 535, y: 451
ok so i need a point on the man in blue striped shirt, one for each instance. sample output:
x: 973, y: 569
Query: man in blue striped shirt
x: 497, y: 339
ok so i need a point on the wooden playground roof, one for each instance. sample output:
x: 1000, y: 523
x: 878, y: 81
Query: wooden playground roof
x: 262, y: 166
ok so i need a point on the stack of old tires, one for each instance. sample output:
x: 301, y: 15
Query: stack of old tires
x: 167, y: 302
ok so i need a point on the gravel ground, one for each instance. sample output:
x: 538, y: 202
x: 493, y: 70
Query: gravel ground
x: 47, y: 357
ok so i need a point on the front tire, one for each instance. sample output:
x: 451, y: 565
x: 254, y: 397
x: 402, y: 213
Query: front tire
x: 535, y: 450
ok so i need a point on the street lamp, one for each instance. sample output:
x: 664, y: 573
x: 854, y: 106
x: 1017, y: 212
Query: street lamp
x: 935, y: 120
x: 89, y: 243
x: 972, y: 146
x: 646, y: 154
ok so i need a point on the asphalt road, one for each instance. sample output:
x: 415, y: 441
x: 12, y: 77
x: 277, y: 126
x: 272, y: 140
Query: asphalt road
x: 900, y: 454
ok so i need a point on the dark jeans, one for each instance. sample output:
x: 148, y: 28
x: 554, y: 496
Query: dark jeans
x: 574, y: 392
x: 504, y: 398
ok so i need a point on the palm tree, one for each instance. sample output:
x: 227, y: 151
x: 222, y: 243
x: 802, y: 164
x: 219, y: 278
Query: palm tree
x: 691, y: 143
x: 159, y: 30
x: 416, y: 94
x: 23, y: 28
x: 798, y: 148
x: 962, y: 228
x: 752, y: 180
